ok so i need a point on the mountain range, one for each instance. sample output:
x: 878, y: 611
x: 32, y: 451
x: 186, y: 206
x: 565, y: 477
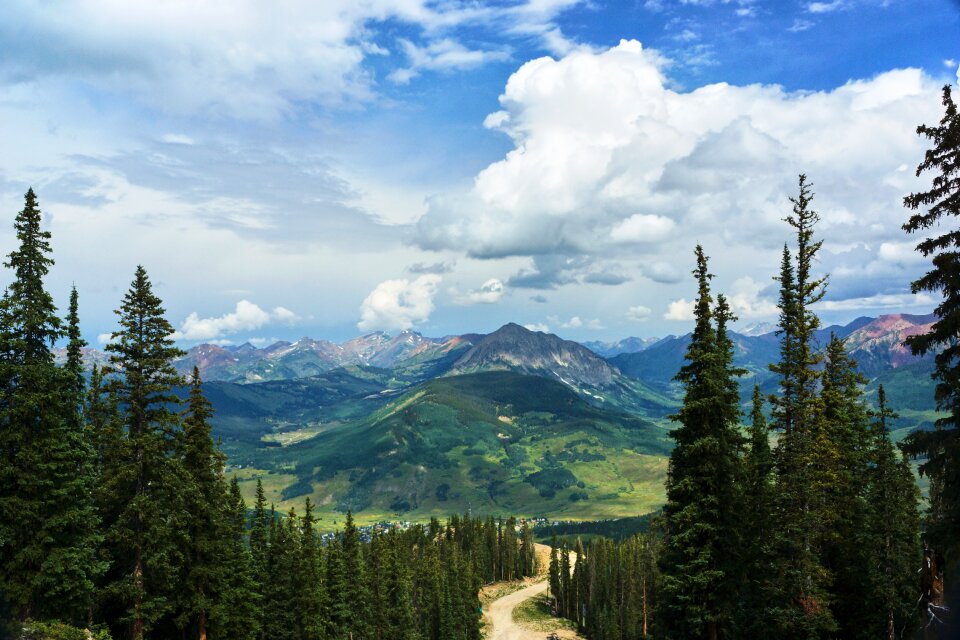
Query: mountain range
x: 514, y: 421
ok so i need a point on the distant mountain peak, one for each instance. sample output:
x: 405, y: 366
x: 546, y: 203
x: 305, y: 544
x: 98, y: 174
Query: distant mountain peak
x: 517, y: 348
x: 758, y: 329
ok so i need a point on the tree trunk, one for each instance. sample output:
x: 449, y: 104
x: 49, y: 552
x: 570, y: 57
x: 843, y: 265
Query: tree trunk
x: 138, y: 598
x: 202, y: 625
x: 644, y: 582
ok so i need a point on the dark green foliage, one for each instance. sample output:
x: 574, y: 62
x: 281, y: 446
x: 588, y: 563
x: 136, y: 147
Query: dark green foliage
x: 48, y: 525
x: 893, y: 528
x: 755, y: 523
x: 235, y: 613
x: 549, y: 481
x: 205, y: 499
x: 803, y: 608
x: 141, y: 495
x: 614, y: 590
x: 940, y: 449
x: 699, y: 561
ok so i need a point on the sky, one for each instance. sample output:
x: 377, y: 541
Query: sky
x: 336, y: 167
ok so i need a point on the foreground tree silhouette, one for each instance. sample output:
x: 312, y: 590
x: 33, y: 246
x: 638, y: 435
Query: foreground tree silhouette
x: 142, y: 499
x: 802, y: 608
x: 48, y: 525
x: 940, y: 448
x: 701, y: 533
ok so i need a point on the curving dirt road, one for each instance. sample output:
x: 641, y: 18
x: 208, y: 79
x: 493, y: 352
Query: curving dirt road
x: 500, y: 611
x: 501, y: 615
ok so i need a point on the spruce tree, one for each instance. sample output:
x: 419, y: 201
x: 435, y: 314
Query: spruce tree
x: 237, y: 612
x: 842, y: 457
x: 698, y: 566
x: 48, y: 528
x: 894, y: 529
x: 939, y: 206
x: 357, y: 596
x: 259, y: 531
x: 310, y: 596
x: 205, y: 499
x: 143, y: 477
x: 756, y: 525
x: 802, y: 608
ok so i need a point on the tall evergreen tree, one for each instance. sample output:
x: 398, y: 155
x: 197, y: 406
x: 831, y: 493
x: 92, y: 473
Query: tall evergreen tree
x: 205, y: 499
x: 756, y: 525
x: 48, y: 528
x: 940, y: 448
x: 237, y: 613
x: 143, y: 476
x: 802, y: 609
x: 841, y: 449
x: 698, y: 565
x: 310, y: 596
x: 894, y: 528
x: 358, y: 599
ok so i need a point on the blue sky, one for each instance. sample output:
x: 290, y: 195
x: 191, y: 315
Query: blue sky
x: 330, y: 168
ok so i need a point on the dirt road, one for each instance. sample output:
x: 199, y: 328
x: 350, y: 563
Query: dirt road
x: 500, y: 612
x: 501, y: 615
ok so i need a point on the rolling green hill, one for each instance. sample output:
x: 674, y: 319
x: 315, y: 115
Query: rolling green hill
x: 492, y: 442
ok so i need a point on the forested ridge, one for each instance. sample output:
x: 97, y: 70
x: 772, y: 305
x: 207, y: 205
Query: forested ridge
x: 116, y: 515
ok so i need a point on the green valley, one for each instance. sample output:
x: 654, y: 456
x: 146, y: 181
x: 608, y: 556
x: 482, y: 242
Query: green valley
x: 491, y: 442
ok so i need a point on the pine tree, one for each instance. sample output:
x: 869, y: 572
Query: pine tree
x: 236, y: 614
x: 842, y: 455
x: 400, y: 613
x: 280, y: 619
x: 554, y: 575
x: 802, y: 608
x: 205, y: 498
x: 310, y: 597
x: 338, y: 605
x: 894, y: 528
x: 756, y: 527
x: 940, y: 448
x: 259, y: 528
x: 357, y: 597
x: 142, y: 476
x: 71, y: 525
x: 48, y: 527
x: 698, y: 562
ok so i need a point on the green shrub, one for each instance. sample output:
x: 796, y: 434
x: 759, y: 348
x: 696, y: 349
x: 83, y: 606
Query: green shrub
x: 59, y: 631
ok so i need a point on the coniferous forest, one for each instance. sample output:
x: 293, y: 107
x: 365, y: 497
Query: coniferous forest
x: 797, y: 518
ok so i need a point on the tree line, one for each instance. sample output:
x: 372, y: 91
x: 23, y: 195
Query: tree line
x: 817, y: 537
x: 807, y: 523
x: 116, y: 516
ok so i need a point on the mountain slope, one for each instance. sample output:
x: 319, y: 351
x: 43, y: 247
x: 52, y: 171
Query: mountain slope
x: 492, y: 442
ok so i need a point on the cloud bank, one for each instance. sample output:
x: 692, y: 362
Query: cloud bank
x: 609, y: 160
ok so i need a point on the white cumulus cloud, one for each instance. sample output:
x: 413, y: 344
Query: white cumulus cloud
x: 746, y: 301
x: 489, y: 292
x: 399, y: 304
x: 600, y: 135
x: 681, y: 309
x: 247, y: 316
